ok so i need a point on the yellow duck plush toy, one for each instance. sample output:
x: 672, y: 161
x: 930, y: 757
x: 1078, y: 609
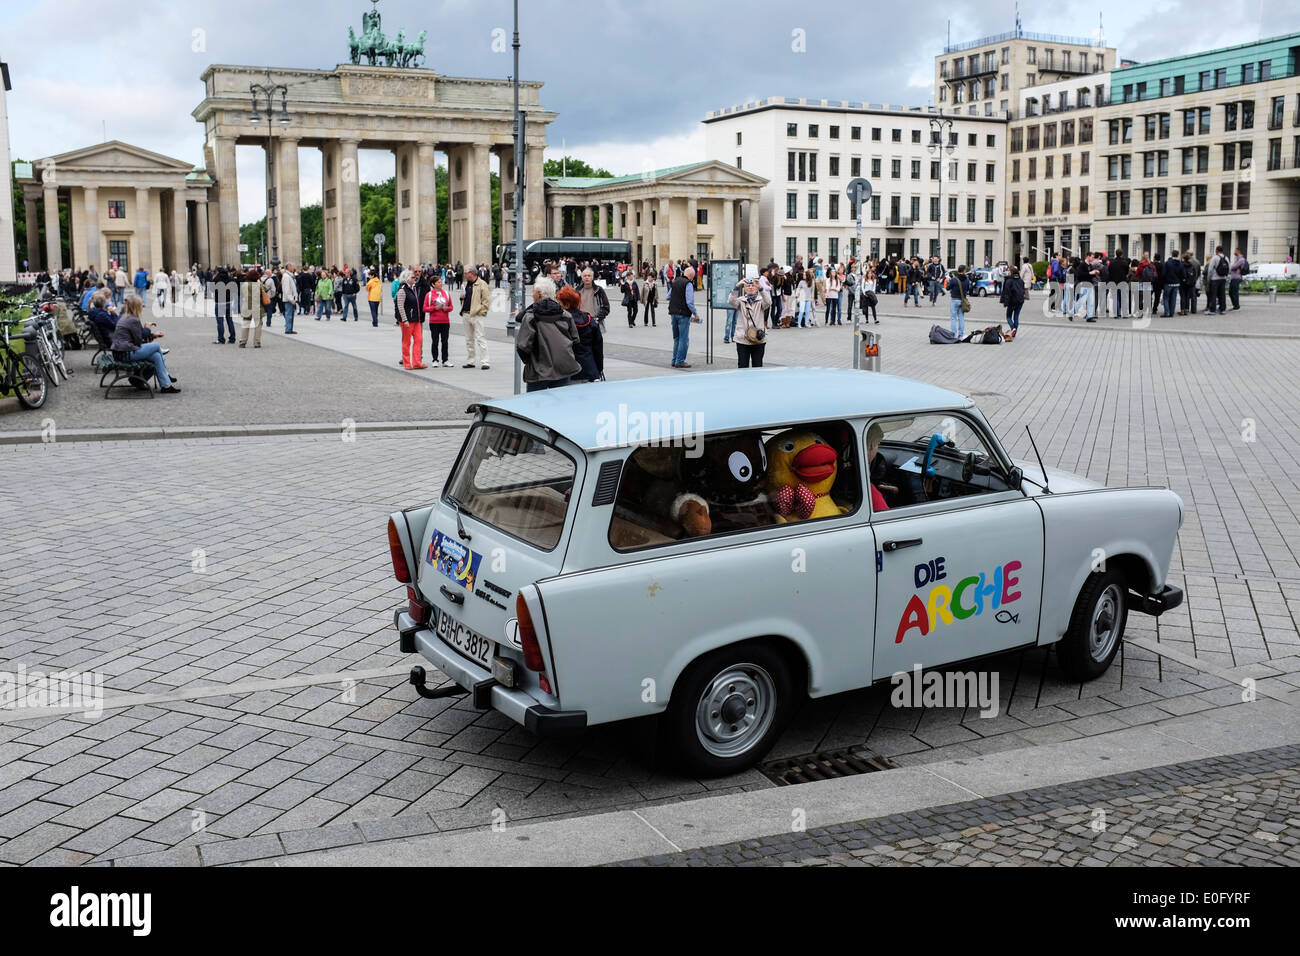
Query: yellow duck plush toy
x: 801, y: 470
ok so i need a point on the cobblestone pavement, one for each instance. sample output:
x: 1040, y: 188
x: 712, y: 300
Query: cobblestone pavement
x: 1239, y: 810
x: 235, y: 595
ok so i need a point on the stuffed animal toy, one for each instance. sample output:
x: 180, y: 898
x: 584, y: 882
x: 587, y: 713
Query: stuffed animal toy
x: 801, y: 471
x: 727, y: 475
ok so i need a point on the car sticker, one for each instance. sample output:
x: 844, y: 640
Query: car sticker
x: 945, y: 605
x: 457, y: 562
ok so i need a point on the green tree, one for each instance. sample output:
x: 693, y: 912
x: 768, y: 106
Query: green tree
x: 573, y: 167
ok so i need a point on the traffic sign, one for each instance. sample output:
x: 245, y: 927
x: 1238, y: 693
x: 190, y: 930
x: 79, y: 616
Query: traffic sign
x: 859, y: 191
x: 243, y: 247
x: 380, y: 238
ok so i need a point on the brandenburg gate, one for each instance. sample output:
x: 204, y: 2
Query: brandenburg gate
x: 410, y: 111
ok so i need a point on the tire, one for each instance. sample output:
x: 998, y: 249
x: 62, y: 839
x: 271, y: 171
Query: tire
x: 983, y: 293
x: 47, y: 360
x: 30, y: 385
x: 750, y: 678
x: 1096, y: 627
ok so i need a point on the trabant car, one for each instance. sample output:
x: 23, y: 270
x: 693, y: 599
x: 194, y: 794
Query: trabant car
x: 695, y: 548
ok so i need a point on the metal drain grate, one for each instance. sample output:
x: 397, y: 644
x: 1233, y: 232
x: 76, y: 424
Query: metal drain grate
x: 826, y: 765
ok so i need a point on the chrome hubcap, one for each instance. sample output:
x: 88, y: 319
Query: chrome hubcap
x: 1105, y: 623
x: 735, y: 710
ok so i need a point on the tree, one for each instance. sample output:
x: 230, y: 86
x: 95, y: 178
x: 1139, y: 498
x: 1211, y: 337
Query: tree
x: 573, y: 167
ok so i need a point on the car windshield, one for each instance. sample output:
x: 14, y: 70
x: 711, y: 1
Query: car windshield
x: 514, y: 482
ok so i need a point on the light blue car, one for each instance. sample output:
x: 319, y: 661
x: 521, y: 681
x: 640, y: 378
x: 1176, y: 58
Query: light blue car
x: 684, y: 549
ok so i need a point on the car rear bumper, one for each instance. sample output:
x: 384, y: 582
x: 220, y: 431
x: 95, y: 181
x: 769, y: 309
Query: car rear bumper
x: 485, y: 692
x: 1157, y: 604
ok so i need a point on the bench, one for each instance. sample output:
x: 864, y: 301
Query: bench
x: 102, y: 344
x: 133, y: 374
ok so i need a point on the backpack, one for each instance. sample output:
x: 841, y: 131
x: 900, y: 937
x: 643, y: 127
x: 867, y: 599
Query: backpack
x: 941, y: 336
x: 1221, y: 269
x: 1245, y: 267
x: 992, y: 336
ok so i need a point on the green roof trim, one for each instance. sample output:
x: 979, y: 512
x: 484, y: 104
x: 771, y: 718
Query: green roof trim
x: 591, y: 182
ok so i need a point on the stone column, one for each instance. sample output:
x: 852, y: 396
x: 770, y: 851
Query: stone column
x: 480, y: 204
x: 202, y: 252
x: 557, y: 220
x: 602, y: 229
x: 663, y: 230
x: 349, y: 204
x: 33, y: 234
x: 330, y: 155
x: 751, y: 214
x: 53, y: 241
x: 180, y: 232
x: 93, y: 255
x: 426, y: 202
x: 288, y: 202
x: 143, y: 234
x: 586, y: 220
x: 506, y: 157
x: 728, y: 243
x: 534, y: 189
x: 227, y: 201
x: 692, y: 225
x: 651, y: 251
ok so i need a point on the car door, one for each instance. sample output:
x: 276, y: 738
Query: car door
x: 956, y: 578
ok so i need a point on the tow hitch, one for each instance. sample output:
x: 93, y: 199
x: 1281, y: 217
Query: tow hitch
x: 418, y: 678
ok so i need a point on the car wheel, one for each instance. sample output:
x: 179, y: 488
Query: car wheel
x: 1096, y: 627
x: 727, y: 709
x: 983, y: 293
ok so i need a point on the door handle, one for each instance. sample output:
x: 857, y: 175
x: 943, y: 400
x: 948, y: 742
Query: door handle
x: 897, y: 545
x: 451, y: 595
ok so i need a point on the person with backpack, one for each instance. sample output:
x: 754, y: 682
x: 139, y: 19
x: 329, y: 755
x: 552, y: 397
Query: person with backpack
x: 1013, y: 297
x: 1117, y: 291
x: 1187, y: 292
x: 547, y: 340
x: 934, y: 276
x: 1171, y: 278
x: 1146, y: 277
x: 1238, y: 270
x: 1218, y: 269
x: 958, y: 304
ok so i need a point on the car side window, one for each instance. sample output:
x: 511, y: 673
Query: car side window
x: 735, y: 482
x: 917, y: 459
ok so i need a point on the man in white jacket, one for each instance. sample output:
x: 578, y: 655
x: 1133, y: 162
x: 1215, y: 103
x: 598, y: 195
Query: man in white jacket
x: 288, y: 297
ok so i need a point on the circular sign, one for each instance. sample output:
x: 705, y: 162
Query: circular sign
x: 379, y: 238
x: 512, y: 633
x: 859, y: 191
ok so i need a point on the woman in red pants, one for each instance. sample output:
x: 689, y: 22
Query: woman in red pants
x: 412, y: 323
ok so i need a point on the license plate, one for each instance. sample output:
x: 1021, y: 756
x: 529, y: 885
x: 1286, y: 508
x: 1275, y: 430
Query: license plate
x: 463, y: 641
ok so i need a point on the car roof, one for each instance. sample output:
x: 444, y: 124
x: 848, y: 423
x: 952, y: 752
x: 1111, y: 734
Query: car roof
x: 604, y: 414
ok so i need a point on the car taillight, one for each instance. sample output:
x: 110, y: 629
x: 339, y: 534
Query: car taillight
x: 416, y: 609
x: 400, y: 569
x: 528, y: 636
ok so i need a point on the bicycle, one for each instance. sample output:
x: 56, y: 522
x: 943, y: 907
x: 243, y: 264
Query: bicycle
x: 48, y: 344
x: 20, y: 372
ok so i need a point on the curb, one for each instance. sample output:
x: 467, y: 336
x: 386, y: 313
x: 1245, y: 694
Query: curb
x: 174, y: 432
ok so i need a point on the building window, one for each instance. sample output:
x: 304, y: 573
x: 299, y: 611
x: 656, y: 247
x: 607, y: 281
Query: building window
x: 1202, y: 198
x: 916, y: 136
x: 970, y: 209
x: 875, y: 208
x: 934, y: 208
x: 1065, y: 165
x: 1047, y: 164
x: 1248, y: 114
x: 1031, y: 141
x: 991, y: 140
x: 1065, y: 200
x: 835, y: 132
x: 1017, y: 140
x: 1276, y: 111
x: 791, y: 129
x: 1085, y: 131
x: 738, y: 138
x: 791, y: 249
x: 1124, y: 203
x: 117, y: 209
x: 833, y: 249
x: 855, y: 132
x: 1229, y: 157
x: 855, y: 166
x: 1031, y: 55
x: 1083, y: 199
x: 1226, y: 193
x: 117, y: 252
x: 1243, y: 195
x: 1180, y: 83
x: 875, y: 169
x: 934, y: 169
x: 1275, y: 154
x: 1162, y: 163
x: 1247, y: 73
x: 916, y: 169
x: 1165, y: 85
x: 701, y: 217
x: 1005, y: 57
x: 1015, y: 204
x: 812, y: 167
x: 812, y: 205
x: 896, y: 135
x: 835, y: 206
x: 952, y: 253
x: 835, y: 166
x: 1126, y: 167
x: 972, y: 172
x: 813, y: 130
x: 875, y: 134
x: 738, y: 166
x: 1229, y: 117
x: 1112, y: 204
x: 1189, y: 122
x: 895, y: 169
x: 988, y: 210
x: 791, y: 205
x: 803, y: 167
x: 789, y: 164
x: 1220, y: 77
x: 1162, y: 201
x: 1265, y: 70
x: 812, y: 246
x: 952, y: 207
x: 1203, y: 120
x: 1067, y: 133
x: 915, y: 209
x: 1185, y: 199
x: 990, y: 172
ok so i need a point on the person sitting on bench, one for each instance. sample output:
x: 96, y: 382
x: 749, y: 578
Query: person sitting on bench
x: 101, y: 315
x: 130, y: 343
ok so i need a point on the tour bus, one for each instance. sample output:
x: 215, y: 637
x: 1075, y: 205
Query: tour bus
x: 606, y: 254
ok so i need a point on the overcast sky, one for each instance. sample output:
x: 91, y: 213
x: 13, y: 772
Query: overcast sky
x: 629, y: 80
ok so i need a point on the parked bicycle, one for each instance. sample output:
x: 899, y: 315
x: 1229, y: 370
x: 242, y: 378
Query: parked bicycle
x: 20, y: 372
x: 49, y: 345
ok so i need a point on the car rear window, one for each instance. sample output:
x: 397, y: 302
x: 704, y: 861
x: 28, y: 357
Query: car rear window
x: 514, y: 482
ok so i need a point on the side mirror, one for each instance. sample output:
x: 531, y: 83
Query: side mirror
x: 1016, y: 478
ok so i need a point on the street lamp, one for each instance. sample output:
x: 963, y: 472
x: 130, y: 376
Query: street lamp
x: 939, y: 126
x: 270, y: 90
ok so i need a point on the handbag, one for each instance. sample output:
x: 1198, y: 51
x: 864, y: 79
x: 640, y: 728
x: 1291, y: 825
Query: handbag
x: 965, y: 303
x: 753, y: 334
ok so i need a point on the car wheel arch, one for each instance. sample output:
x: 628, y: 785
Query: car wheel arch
x: 791, y: 650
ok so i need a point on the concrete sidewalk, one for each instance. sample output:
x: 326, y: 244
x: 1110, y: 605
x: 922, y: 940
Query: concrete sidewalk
x: 678, y: 827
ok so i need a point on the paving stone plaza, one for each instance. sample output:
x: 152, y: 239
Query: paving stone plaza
x: 255, y: 703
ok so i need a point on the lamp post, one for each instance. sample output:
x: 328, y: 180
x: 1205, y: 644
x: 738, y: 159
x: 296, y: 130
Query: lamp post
x: 939, y: 126
x: 269, y: 90
x: 521, y: 164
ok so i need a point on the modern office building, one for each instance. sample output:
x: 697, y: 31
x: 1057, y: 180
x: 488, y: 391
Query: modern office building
x: 1203, y: 150
x: 937, y: 179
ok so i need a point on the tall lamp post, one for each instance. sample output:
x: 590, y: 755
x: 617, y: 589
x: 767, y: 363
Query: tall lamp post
x: 521, y: 164
x: 270, y: 90
x: 940, y: 126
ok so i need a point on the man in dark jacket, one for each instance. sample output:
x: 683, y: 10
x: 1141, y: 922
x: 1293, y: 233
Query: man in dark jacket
x: 547, y: 341
x: 1121, y: 305
x: 1171, y: 277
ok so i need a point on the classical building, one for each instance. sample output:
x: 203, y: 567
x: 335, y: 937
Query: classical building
x: 706, y: 210
x: 945, y: 201
x: 8, y: 255
x: 126, y: 204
